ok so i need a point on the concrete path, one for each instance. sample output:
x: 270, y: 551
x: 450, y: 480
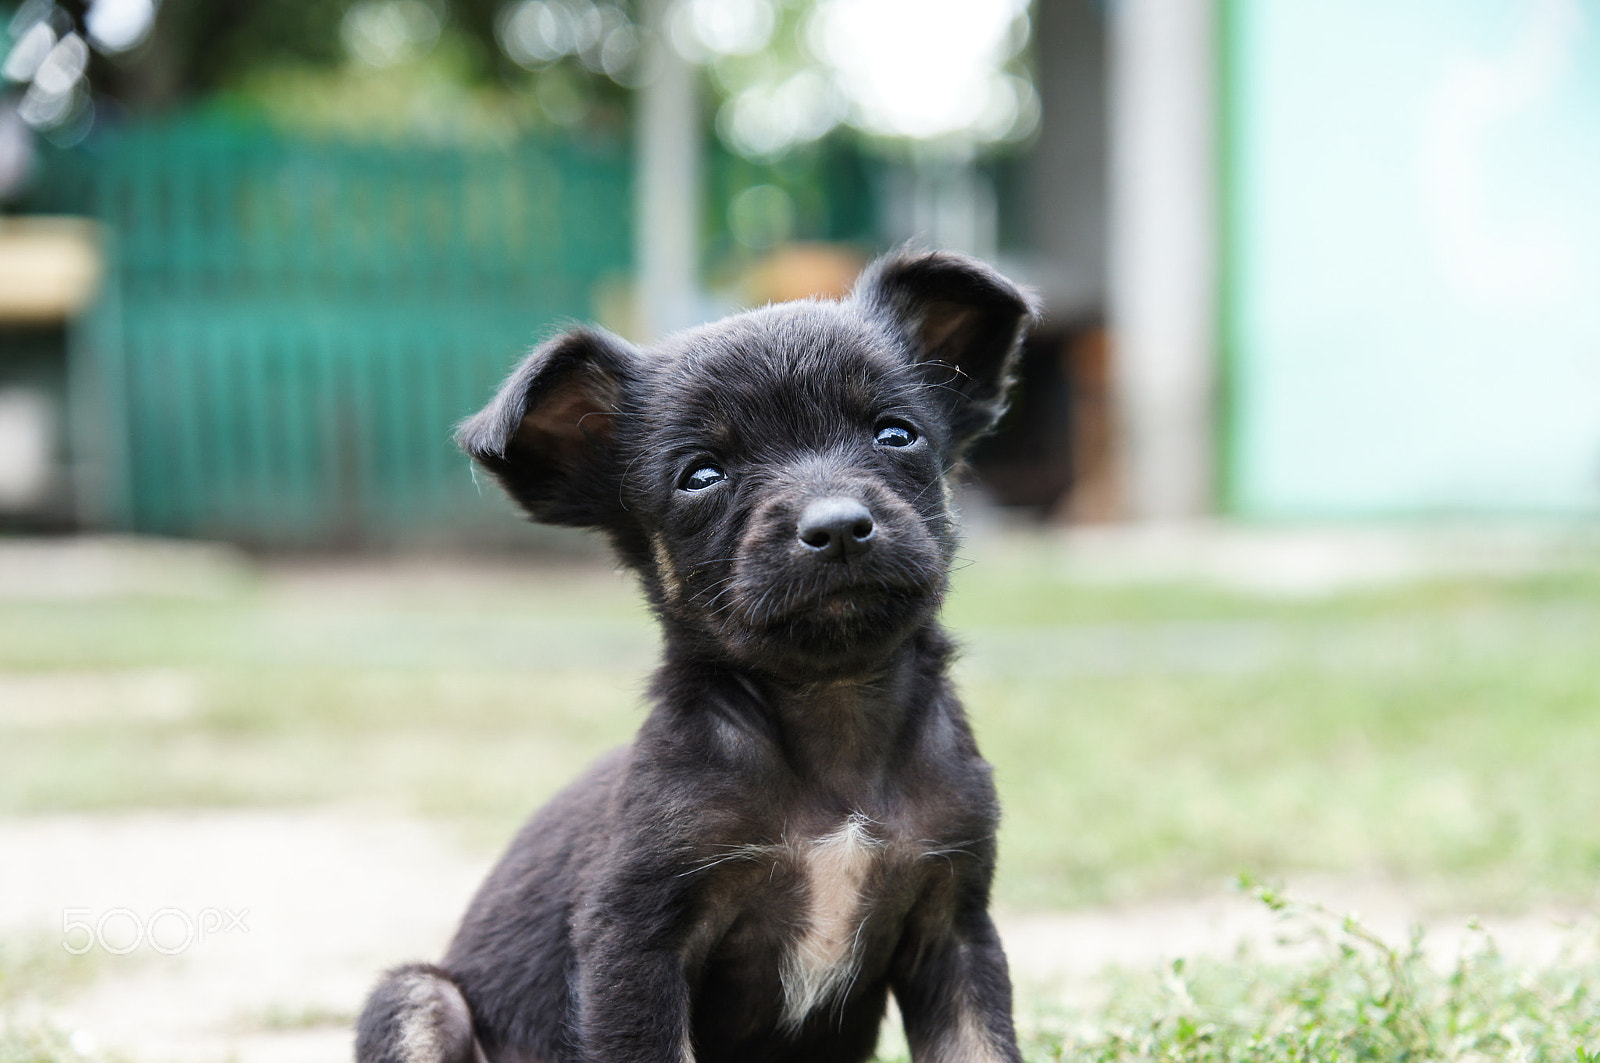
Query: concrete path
x: 262, y: 931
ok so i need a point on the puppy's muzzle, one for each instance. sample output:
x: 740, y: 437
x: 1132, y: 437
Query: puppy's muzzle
x: 836, y: 528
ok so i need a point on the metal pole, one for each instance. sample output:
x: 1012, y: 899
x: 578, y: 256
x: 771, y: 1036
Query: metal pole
x: 667, y: 183
x: 1164, y: 252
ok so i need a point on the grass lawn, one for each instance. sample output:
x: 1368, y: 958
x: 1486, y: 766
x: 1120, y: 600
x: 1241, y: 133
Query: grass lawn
x: 1149, y: 740
x: 1359, y: 997
x: 1444, y: 735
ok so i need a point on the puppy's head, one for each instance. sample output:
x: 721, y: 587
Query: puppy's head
x: 778, y: 478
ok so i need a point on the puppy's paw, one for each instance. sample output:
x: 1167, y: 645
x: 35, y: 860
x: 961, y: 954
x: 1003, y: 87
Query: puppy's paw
x: 416, y: 1015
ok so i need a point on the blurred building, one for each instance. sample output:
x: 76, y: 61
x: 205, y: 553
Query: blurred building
x: 1402, y: 258
x: 1347, y: 252
x: 1411, y: 258
x: 1329, y: 259
x: 49, y: 273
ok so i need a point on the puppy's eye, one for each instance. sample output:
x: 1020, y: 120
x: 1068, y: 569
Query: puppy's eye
x: 701, y: 477
x: 895, y: 435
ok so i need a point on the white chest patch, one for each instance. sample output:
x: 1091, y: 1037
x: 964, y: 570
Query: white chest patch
x: 822, y: 961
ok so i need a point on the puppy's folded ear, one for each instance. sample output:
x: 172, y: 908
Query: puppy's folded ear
x: 964, y: 323
x: 549, y: 436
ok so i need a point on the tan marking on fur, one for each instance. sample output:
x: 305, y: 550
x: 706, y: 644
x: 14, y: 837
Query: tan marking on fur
x: 431, y: 1005
x: 822, y: 962
x: 969, y: 1043
x: 419, y: 1039
x: 670, y: 580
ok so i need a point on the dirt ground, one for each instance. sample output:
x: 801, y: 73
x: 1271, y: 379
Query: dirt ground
x: 263, y: 930
x: 303, y: 908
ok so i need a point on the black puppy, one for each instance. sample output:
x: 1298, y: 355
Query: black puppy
x: 803, y: 823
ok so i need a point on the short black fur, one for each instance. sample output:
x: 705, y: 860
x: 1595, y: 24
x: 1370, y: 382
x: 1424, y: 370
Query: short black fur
x: 803, y: 824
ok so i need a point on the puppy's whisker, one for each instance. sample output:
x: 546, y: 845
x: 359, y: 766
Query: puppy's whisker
x: 740, y: 852
x: 712, y: 586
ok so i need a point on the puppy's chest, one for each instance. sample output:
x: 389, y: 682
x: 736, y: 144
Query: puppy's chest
x: 831, y: 901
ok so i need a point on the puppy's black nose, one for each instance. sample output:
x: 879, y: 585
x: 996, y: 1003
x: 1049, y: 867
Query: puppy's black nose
x: 837, y: 528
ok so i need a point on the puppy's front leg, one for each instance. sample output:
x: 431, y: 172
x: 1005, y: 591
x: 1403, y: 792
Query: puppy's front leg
x: 633, y: 1007
x: 954, y: 993
x: 632, y: 995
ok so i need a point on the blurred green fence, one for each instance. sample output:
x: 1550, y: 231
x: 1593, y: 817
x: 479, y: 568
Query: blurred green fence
x: 291, y: 327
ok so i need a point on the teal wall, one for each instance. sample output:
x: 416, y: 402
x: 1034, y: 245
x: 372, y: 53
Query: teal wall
x: 1412, y: 232
x: 290, y: 328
